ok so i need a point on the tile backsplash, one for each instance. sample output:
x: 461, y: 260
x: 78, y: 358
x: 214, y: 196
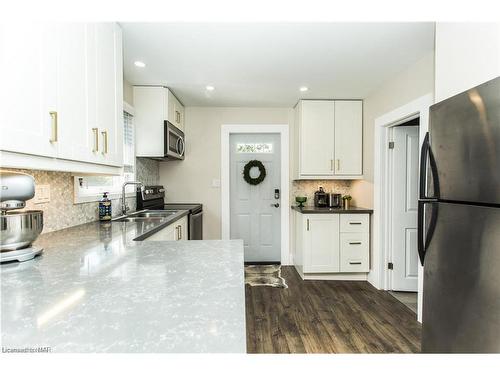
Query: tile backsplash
x: 61, y: 212
x: 306, y: 188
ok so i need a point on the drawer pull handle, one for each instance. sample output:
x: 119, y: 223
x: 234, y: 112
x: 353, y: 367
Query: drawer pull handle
x: 53, y: 137
x: 355, y: 223
x: 307, y: 224
x: 96, y: 139
x: 105, y: 141
x: 354, y: 243
x: 354, y: 262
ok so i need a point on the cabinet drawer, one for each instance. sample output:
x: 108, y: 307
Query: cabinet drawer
x: 354, y: 252
x: 355, y: 223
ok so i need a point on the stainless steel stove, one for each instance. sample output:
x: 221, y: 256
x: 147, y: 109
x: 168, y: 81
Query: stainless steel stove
x: 153, y: 198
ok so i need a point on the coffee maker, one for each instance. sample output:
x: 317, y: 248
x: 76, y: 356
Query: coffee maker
x: 320, y: 198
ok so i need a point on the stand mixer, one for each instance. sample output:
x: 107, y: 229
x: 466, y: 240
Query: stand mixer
x: 18, y: 229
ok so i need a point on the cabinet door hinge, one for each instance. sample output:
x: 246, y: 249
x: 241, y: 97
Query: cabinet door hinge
x: 391, y: 145
x: 390, y: 265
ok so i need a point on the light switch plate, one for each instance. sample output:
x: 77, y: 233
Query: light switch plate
x: 42, y: 194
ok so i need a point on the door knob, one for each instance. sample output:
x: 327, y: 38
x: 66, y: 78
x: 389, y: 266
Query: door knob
x: 275, y: 205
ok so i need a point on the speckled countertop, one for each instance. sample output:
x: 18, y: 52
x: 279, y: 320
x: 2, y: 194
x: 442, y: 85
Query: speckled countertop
x: 333, y: 210
x: 94, y: 289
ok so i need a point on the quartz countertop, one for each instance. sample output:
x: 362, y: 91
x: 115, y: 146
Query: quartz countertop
x: 332, y: 210
x: 94, y: 289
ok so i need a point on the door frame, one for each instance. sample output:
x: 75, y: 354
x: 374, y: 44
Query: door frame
x: 379, y: 275
x: 283, y: 131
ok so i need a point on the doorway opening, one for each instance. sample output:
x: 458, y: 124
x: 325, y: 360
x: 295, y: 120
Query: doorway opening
x: 255, y: 197
x: 403, y: 172
x: 259, y: 214
x: 381, y: 274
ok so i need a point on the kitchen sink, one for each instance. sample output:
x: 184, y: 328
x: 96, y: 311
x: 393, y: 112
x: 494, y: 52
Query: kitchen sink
x: 153, y: 214
x: 139, y: 219
x: 147, y: 216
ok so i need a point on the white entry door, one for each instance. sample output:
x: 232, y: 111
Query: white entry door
x: 404, y: 208
x: 256, y: 209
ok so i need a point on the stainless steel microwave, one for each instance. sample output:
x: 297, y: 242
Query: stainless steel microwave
x: 174, y: 142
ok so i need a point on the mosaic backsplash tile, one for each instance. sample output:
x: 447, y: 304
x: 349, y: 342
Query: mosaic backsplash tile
x: 306, y: 188
x: 61, y: 212
x: 147, y: 171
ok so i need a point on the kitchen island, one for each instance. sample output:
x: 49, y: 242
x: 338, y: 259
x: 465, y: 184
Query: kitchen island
x: 95, y: 289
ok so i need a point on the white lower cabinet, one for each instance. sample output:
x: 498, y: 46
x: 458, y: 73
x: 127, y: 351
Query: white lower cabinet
x: 354, y: 250
x: 321, y: 243
x: 332, y: 243
x: 176, y: 231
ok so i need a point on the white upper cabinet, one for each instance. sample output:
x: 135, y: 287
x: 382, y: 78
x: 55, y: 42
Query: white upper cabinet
x: 109, y: 93
x: 175, y: 111
x: 329, y: 139
x: 348, y: 137
x: 316, y: 137
x: 153, y: 106
x: 28, y: 57
x: 63, y: 93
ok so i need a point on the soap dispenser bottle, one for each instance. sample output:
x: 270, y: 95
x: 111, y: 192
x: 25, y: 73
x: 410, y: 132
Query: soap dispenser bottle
x: 105, y: 208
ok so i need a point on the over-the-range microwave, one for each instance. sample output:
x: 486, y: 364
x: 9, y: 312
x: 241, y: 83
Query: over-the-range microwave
x: 174, y: 145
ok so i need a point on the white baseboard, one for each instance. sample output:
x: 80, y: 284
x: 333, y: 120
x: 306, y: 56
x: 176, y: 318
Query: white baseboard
x: 332, y: 276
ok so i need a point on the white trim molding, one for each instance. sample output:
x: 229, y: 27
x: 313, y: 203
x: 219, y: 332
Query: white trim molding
x: 379, y: 275
x: 283, y: 130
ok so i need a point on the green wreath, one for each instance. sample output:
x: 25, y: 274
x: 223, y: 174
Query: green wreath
x: 248, y: 167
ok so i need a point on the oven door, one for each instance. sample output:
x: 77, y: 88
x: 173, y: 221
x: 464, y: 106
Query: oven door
x: 174, y: 142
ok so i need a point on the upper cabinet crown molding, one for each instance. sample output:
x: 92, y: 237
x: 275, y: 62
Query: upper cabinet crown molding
x: 329, y: 139
x: 63, y: 95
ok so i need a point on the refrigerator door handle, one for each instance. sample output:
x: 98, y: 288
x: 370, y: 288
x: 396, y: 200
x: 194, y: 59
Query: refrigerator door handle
x: 420, y: 232
x: 423, y: 241
x: 426, y: 155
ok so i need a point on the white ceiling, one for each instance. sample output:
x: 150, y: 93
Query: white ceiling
x: 264, y: 64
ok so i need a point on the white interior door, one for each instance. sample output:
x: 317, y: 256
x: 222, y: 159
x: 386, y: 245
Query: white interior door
x: 404, y: 208
x: 255, y: 210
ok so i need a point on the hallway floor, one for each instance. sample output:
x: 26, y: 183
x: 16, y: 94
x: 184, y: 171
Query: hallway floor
x: 409, y: 299
x: 328, y: 317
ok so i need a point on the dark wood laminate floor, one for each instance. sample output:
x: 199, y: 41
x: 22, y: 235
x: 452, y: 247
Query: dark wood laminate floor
x: 328, y: 317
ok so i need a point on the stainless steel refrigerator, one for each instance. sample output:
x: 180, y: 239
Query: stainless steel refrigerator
x: 459, y: 223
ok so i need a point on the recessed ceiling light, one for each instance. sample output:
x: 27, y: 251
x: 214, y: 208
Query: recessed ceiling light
x: 303, y: 89
x: 210, y: 88
x: 139, y: 64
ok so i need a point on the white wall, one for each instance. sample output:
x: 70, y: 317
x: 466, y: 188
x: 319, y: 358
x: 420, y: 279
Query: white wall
x: 467, y: 54
x: 128, y: 92
x: 415, y: 81
x: 190, y: 180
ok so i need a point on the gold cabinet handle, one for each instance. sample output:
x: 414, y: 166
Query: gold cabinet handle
x: 53, y: 137
x: 338, y: 165
x: 331, y: 164
x: 105, y: 141
x: 96, y: 139
x: 308, y: 225
x: 177, y: 117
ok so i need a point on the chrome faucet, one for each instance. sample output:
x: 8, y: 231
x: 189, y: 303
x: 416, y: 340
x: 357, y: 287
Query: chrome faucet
x: 124, y: 202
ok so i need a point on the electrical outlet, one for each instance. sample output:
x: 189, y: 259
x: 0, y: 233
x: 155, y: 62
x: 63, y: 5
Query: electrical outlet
x: 42, y: 194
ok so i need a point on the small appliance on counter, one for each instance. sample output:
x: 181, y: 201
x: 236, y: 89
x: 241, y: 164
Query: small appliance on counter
x: 18, y: 228
x: 320, y: 198
x: 153, y: 198
x: 334, y: 200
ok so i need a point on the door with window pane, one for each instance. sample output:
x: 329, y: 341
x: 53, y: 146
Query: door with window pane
x: 255, y: 209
